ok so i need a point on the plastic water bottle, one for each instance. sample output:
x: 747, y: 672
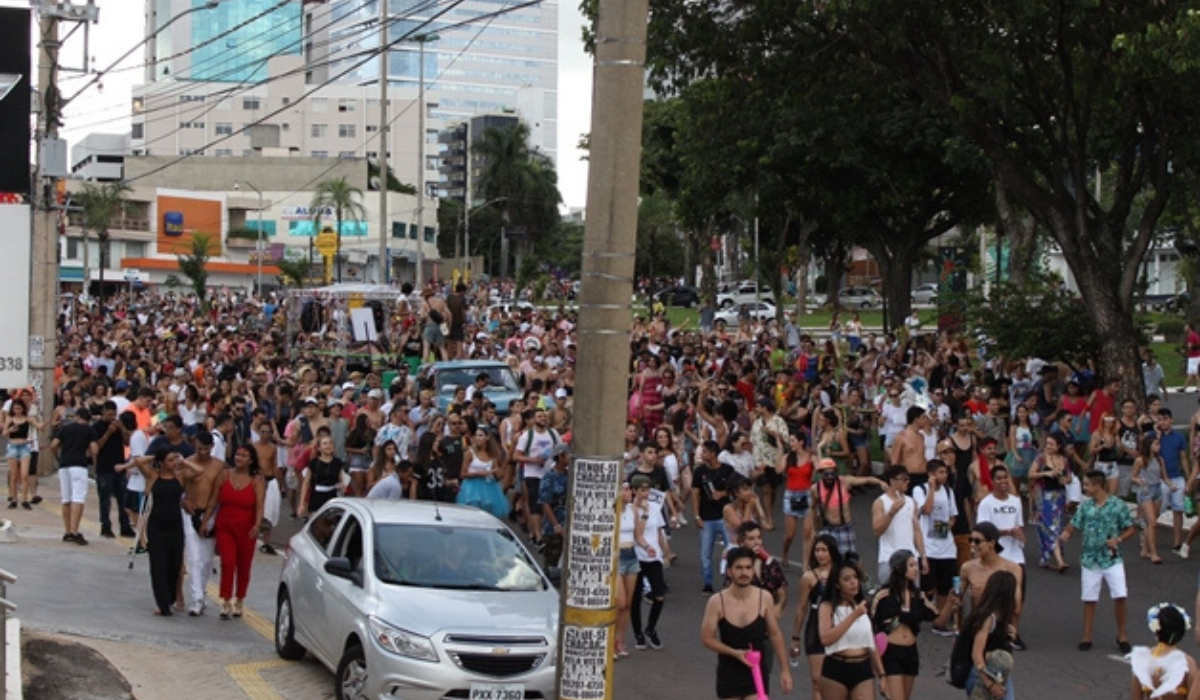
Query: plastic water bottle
x: 794, y: 655
x: 956, y: 585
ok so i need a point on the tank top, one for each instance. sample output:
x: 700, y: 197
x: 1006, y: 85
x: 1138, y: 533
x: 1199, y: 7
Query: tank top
x: 326, y: 474
x: 18, y: 431
x: 627, y: 525
x: 899, y: 533
x: 799, y: 476
x: 478, y: 466
x: 859, y: 636
x: 729, y: 669
x: 164, y: 513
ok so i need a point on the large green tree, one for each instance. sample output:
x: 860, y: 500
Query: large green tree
x: 524, y: 181
x: 101, y: 203
x: 1054, y: 93
x: 346, y: 201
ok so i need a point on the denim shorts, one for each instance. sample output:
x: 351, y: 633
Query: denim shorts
x: 628, y: 564
x: 1174, y: 499
x: 1150, y: 493
x: 19, y: 451
x: 795, y: 504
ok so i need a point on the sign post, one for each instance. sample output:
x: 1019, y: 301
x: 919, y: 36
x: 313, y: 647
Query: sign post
x: 327, y: 246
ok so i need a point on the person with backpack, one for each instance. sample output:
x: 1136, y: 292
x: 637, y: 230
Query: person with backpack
x: 534, y: 451
x: 981, y: 661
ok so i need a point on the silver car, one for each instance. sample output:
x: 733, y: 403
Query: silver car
x: 420, y: 601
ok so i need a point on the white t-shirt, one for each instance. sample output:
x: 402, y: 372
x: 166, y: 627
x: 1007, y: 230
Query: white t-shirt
x: 895, y: 418
x: 899, y: 534
x: 138, y: 442
x: 1005, y: 515
x: 742, y: 462
x: 939, y: 541
x: 654, y: 525
x: 535, y: 444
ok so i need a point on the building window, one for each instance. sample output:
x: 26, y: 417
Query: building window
x: 372, y: 128
x: 250, y: 103
x: 320, y: 130
x: 285, y: 126
x: 319, y: 104
x: 320, y: 154
x: 345, y: 154
x: 347, y: 131
x: 135, y: 249
x: 224, y: 129
x: 191, y: 125
x: 139, y: 131
x: 72, y: 249
x: 223, y: 153
x: 287, y: 101
x: 347, y: 104
x: 247, y: 152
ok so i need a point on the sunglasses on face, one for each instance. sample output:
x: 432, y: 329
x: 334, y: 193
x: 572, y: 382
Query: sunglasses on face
x: 977, y: 540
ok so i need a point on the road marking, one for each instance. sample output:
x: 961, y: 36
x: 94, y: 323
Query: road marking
x: 249, y: 678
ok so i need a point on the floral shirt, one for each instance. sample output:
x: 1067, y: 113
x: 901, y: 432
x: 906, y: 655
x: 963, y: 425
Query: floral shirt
x: 766, y: 454
x: 1098, y: 524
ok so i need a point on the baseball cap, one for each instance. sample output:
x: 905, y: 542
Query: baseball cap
x: 375, y: 394
x: 990, y: 533
x: 310, y: 400
x: 122, y: 385
x: 560, y: 394
x: 348, y: 385
x: 561, y: 448
x: 826, y: 463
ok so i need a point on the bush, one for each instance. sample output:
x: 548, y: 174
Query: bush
x: 1171, y: 328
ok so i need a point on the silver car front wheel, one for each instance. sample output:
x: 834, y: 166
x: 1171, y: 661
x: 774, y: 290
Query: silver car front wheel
x: 352, y: 675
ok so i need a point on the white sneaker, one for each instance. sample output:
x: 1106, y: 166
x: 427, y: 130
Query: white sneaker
x: 1183, y: 551
x: 197, y: 609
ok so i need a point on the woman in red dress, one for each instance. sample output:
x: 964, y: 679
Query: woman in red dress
x: 239, y: 497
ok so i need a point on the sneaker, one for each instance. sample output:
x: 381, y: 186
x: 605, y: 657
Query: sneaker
x: 196, y: 610
x: 68, y: 537
x: 1176, y: 548
x: 12, y: 505
x: 267, y: 549
x: 128, y: 532
x: 36, y: 499
x: 652, y: 637
x: 1183, y: 551
x: 26, y: 506
x: 107, y: 533
x: 79, y: 539
x: 639, y: 642
x: 1018, y: 644
x: 943, y: 631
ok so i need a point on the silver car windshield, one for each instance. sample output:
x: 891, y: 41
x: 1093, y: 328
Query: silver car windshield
x: 439, y: 556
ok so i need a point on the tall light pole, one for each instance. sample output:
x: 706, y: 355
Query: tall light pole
x: 258, y: 242
x: 421, y: 40
x: 382, y: 159
x: 467, y: 211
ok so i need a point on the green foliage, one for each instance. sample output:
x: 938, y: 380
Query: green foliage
x: 194, y: 266
x: 524, y: 180
x: 394, y: 184
x: 293, y: 271
x: 101, y: 204
x: 346, y: 201
x: 243, y: 232
x: 173, y: 282
x: 565, y: 251
x: 1171, y: 327
x: 660, y: 250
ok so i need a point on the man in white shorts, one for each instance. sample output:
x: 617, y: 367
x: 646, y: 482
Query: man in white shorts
x: 74, y: 446
x: 1105, y: 523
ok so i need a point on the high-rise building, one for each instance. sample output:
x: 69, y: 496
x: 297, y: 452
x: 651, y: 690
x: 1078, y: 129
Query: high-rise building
x: 458, y: 176
x: 226, y: 41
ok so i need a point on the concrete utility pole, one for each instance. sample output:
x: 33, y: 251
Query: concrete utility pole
x: 421, y: 39
x: 586, y: 633
x: 382, y: 159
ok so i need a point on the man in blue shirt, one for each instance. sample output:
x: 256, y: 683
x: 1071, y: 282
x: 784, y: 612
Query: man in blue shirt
x: 1174, y: 452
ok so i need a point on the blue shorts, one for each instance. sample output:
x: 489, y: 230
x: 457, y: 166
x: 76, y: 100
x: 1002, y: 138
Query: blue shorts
x: 19, y: 451
x: 795, y: 504
x: 1174, y: 499
x: 1150, y: 493
x: 628, y: 564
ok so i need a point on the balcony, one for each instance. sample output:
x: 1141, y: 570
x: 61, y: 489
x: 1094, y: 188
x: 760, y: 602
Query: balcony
x: 122, y: 223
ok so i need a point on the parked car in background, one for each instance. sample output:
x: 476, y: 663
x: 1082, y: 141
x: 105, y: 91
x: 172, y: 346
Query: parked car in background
x: 680, y: 295
x: 501, y: 390
x: 743, y: 292
x: 925, y: 294
x: 860, y: 298
x: 419, y: 600
x: 754, y: 309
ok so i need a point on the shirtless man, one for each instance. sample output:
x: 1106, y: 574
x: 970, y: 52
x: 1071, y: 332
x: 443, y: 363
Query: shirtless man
x: 198, y: 546
x: 373, y: 410
x: 909, y: 448
x: 986, y: 560
x: 266, y: 447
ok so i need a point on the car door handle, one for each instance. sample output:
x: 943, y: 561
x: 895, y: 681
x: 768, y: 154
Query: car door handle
x: 320, y: 584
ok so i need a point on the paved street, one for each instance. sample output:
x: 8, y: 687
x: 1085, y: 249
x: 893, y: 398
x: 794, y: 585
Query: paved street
x: 92, y: 595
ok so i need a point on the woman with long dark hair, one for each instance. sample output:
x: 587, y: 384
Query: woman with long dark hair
x: 238, y: 495
x: 851, y: 659
x: 1164, y: 664
x: 823, y: 558
x: 898, y: 610
x: 164, y: 527
x: 985, y: 639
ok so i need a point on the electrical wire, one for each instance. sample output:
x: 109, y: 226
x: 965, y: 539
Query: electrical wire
x: 187, y: 86
x: 386, y: 47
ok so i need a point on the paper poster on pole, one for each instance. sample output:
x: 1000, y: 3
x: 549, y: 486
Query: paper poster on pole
x: 15, y: 222
x: 585, y: 663
x: 592, y: 534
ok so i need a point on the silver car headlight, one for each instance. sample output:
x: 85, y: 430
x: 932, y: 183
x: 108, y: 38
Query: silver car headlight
x: 402, y: 642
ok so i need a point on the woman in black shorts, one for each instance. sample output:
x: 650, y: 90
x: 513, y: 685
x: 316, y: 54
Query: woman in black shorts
x: 898, y: 610
x: 822, y: 559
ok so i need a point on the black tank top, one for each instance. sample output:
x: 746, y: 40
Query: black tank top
x: 733, y: 676
x: 961, y: 485
x: 164, y: 514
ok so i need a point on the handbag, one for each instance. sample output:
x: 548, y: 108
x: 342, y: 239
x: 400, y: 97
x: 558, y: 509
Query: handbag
x: 1081, y: 427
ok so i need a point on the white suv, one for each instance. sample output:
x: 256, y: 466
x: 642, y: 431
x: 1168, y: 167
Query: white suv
x: 741, y: 293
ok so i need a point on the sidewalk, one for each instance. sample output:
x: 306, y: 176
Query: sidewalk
x: 93, y: 595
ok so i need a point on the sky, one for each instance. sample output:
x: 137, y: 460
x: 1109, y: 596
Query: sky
x: 120, y: 26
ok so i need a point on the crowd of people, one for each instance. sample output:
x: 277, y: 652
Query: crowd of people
x: 207, y: 422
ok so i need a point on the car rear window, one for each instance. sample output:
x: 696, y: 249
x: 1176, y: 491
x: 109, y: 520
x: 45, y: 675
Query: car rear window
x: 439, y: 556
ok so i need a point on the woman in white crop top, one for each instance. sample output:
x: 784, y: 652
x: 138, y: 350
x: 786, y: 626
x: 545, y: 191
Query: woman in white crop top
x: 852, y: 663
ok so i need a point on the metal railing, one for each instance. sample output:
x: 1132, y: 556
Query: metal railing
x: 6, y: 608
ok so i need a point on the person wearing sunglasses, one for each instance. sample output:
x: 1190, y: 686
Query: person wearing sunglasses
x: 985, y: 561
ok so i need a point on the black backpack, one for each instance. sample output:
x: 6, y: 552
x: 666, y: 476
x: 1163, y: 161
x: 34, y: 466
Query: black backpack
x: 959, y: 666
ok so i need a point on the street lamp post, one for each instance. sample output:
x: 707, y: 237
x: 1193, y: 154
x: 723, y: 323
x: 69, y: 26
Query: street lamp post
x: 258, y: 240
x: 467, y: 211
x: 421, y: 40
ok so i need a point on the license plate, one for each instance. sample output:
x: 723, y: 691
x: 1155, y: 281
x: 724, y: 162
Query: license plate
x: 497, y: 691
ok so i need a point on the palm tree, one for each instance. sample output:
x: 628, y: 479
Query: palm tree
x: 523, y: 179
x: 345, y: 200
x: 100, y: 204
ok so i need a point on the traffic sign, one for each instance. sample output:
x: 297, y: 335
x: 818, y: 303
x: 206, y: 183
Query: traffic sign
x: 326, y: 243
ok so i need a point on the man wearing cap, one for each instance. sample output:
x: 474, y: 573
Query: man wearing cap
x: 1105, y: 523
x: 552, y: 494
x: 373, y: 410
x: 985, y: 561
x: 560, y: 415
x: 831, y: 514
x: 119, y: 395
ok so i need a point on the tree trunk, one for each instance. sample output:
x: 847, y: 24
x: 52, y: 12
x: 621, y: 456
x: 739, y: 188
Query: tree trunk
x: 835, y: 267
x: 1119, y: 345
x: 1021, y: 235
x: 708, y: 282
x: 896, y: 267
x: 87, y: 267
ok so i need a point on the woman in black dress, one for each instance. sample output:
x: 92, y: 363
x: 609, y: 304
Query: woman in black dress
x: 164, y: 526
